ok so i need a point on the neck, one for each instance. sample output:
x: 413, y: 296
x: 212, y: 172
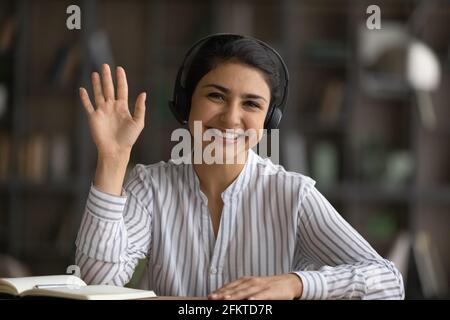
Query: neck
x: 215, y: 178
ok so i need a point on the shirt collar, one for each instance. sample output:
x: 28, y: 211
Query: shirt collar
x: 235, y: 188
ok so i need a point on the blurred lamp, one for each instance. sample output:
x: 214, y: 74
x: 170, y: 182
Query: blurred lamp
x: 394, y: 60
x: 424, y: 75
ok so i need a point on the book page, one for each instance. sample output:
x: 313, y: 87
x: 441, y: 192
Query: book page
x: 27, y: 283
x: 94, y: 292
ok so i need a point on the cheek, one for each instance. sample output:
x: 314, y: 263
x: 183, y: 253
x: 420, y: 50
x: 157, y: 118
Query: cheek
x: 255, y: 123
x: 202, y: 113
x: 256, y: 120
x: 201, y: 110
x: 206, y: 109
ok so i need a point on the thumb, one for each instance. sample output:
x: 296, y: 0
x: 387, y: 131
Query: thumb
x: 139, y: 109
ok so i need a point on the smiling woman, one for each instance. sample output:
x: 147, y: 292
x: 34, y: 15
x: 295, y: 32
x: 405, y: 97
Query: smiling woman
x: 248, y: 230
x: 226, y: 105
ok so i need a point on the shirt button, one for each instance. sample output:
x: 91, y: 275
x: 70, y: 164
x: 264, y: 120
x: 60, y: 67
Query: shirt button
x: 213, y: 270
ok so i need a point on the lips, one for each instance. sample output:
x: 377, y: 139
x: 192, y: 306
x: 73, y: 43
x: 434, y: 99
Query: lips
x: 227, y: 135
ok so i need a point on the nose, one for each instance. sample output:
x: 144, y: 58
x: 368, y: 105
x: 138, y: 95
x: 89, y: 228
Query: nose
x: 232, y: 114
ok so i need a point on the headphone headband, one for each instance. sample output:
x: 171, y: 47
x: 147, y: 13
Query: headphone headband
x: 179, y: 103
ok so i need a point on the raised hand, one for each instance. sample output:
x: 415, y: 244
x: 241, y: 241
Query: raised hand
x: 113, y: 129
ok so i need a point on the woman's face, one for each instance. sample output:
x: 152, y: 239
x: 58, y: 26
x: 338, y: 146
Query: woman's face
x: 232, y: 96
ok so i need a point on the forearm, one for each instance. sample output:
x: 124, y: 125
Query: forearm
x: 107, y: 239
x: 102, y: 234
x: 98, y: 272
x: 110, y: 173
x: 364, y: 280
x: 343, y: 264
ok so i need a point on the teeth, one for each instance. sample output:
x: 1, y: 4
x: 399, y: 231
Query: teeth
x: 229, y: 134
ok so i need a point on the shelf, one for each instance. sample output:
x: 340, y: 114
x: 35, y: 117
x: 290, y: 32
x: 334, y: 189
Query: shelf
x: 360, y: 192
x: 67, y: 186
x: 435, y: 194
x: 52, y: 248
x: 321, y: 65
x: 363, y: 192
x: 385, y: 86
x: 309, y: 124
x: 54, y: 93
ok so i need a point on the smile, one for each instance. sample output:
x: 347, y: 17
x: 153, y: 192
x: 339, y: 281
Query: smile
x: 228, y: 136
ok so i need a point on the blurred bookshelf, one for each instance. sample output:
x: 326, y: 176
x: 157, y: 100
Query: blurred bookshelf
x: 361, y: 134
x: 354, y: 129
x: 47, y: 159
x: 42, y: 176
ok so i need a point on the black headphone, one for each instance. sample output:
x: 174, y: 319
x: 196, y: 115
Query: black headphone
x: 179, y: 103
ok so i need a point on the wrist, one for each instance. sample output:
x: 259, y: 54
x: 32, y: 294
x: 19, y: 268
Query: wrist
x: 297, y: 285
x: 113, y: 160
x: 110, y: 173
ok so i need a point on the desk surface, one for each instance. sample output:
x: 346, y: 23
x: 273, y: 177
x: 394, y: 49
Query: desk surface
x: 176, y: 298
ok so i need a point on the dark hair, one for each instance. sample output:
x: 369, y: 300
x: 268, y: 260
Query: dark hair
x: 233, y: 48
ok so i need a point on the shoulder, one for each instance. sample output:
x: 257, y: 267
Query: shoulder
x: 150, y: 173
x: 297, y: 182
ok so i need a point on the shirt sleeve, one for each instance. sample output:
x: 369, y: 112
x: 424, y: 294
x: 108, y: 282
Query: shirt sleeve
x: 336, y: 262
x: 115, y: 232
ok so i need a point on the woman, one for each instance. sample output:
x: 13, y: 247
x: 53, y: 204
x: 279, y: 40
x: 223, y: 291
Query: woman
x: 235, y: 230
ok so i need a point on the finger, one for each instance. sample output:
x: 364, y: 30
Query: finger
x: 242, y: 288
x: 230, y: 288
x: 247, y: 293
x: 261, y: 295
x: 107, y: 82
x: 122, y: 85
x: 139, y: 109
x: 98, y: 92
x: 86, y: 101
x: 241, y: 292
x: 233, y: 284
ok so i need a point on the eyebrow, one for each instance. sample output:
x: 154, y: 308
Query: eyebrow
x: 226, y: 90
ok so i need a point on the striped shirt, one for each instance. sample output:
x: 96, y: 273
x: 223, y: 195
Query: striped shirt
x: 273, y: 222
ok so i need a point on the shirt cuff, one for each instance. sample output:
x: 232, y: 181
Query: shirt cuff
x: 314, y: 285
x: 106, y: 206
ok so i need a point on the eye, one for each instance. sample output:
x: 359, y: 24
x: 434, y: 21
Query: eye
x: 216, y: 96
x: 252, y: 104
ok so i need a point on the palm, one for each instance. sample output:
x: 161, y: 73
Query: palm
x: 113, y: 128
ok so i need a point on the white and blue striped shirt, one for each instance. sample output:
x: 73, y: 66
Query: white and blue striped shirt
x: 273, y: 222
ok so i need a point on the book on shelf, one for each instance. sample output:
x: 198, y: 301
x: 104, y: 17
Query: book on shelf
x: 100, y: 51
x: 67, y: 287
x: 433, y: 278
x: 417, y: 259
x: 40, y: 157
x: 59, y: 158
x: 3, y: 99
x: 5, y: 155
x: 65, y: 67
x: 400, y: 253
x: 33, y: 158
x: 8, y: 32
x: 332, y: 103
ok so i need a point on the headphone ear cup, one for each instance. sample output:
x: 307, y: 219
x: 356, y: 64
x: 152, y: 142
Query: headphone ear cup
x: 275, y: 118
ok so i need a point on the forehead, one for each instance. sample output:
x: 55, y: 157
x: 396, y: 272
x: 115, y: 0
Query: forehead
x: 238, y: 77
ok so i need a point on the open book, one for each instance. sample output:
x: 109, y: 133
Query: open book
x: 69, y: 287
